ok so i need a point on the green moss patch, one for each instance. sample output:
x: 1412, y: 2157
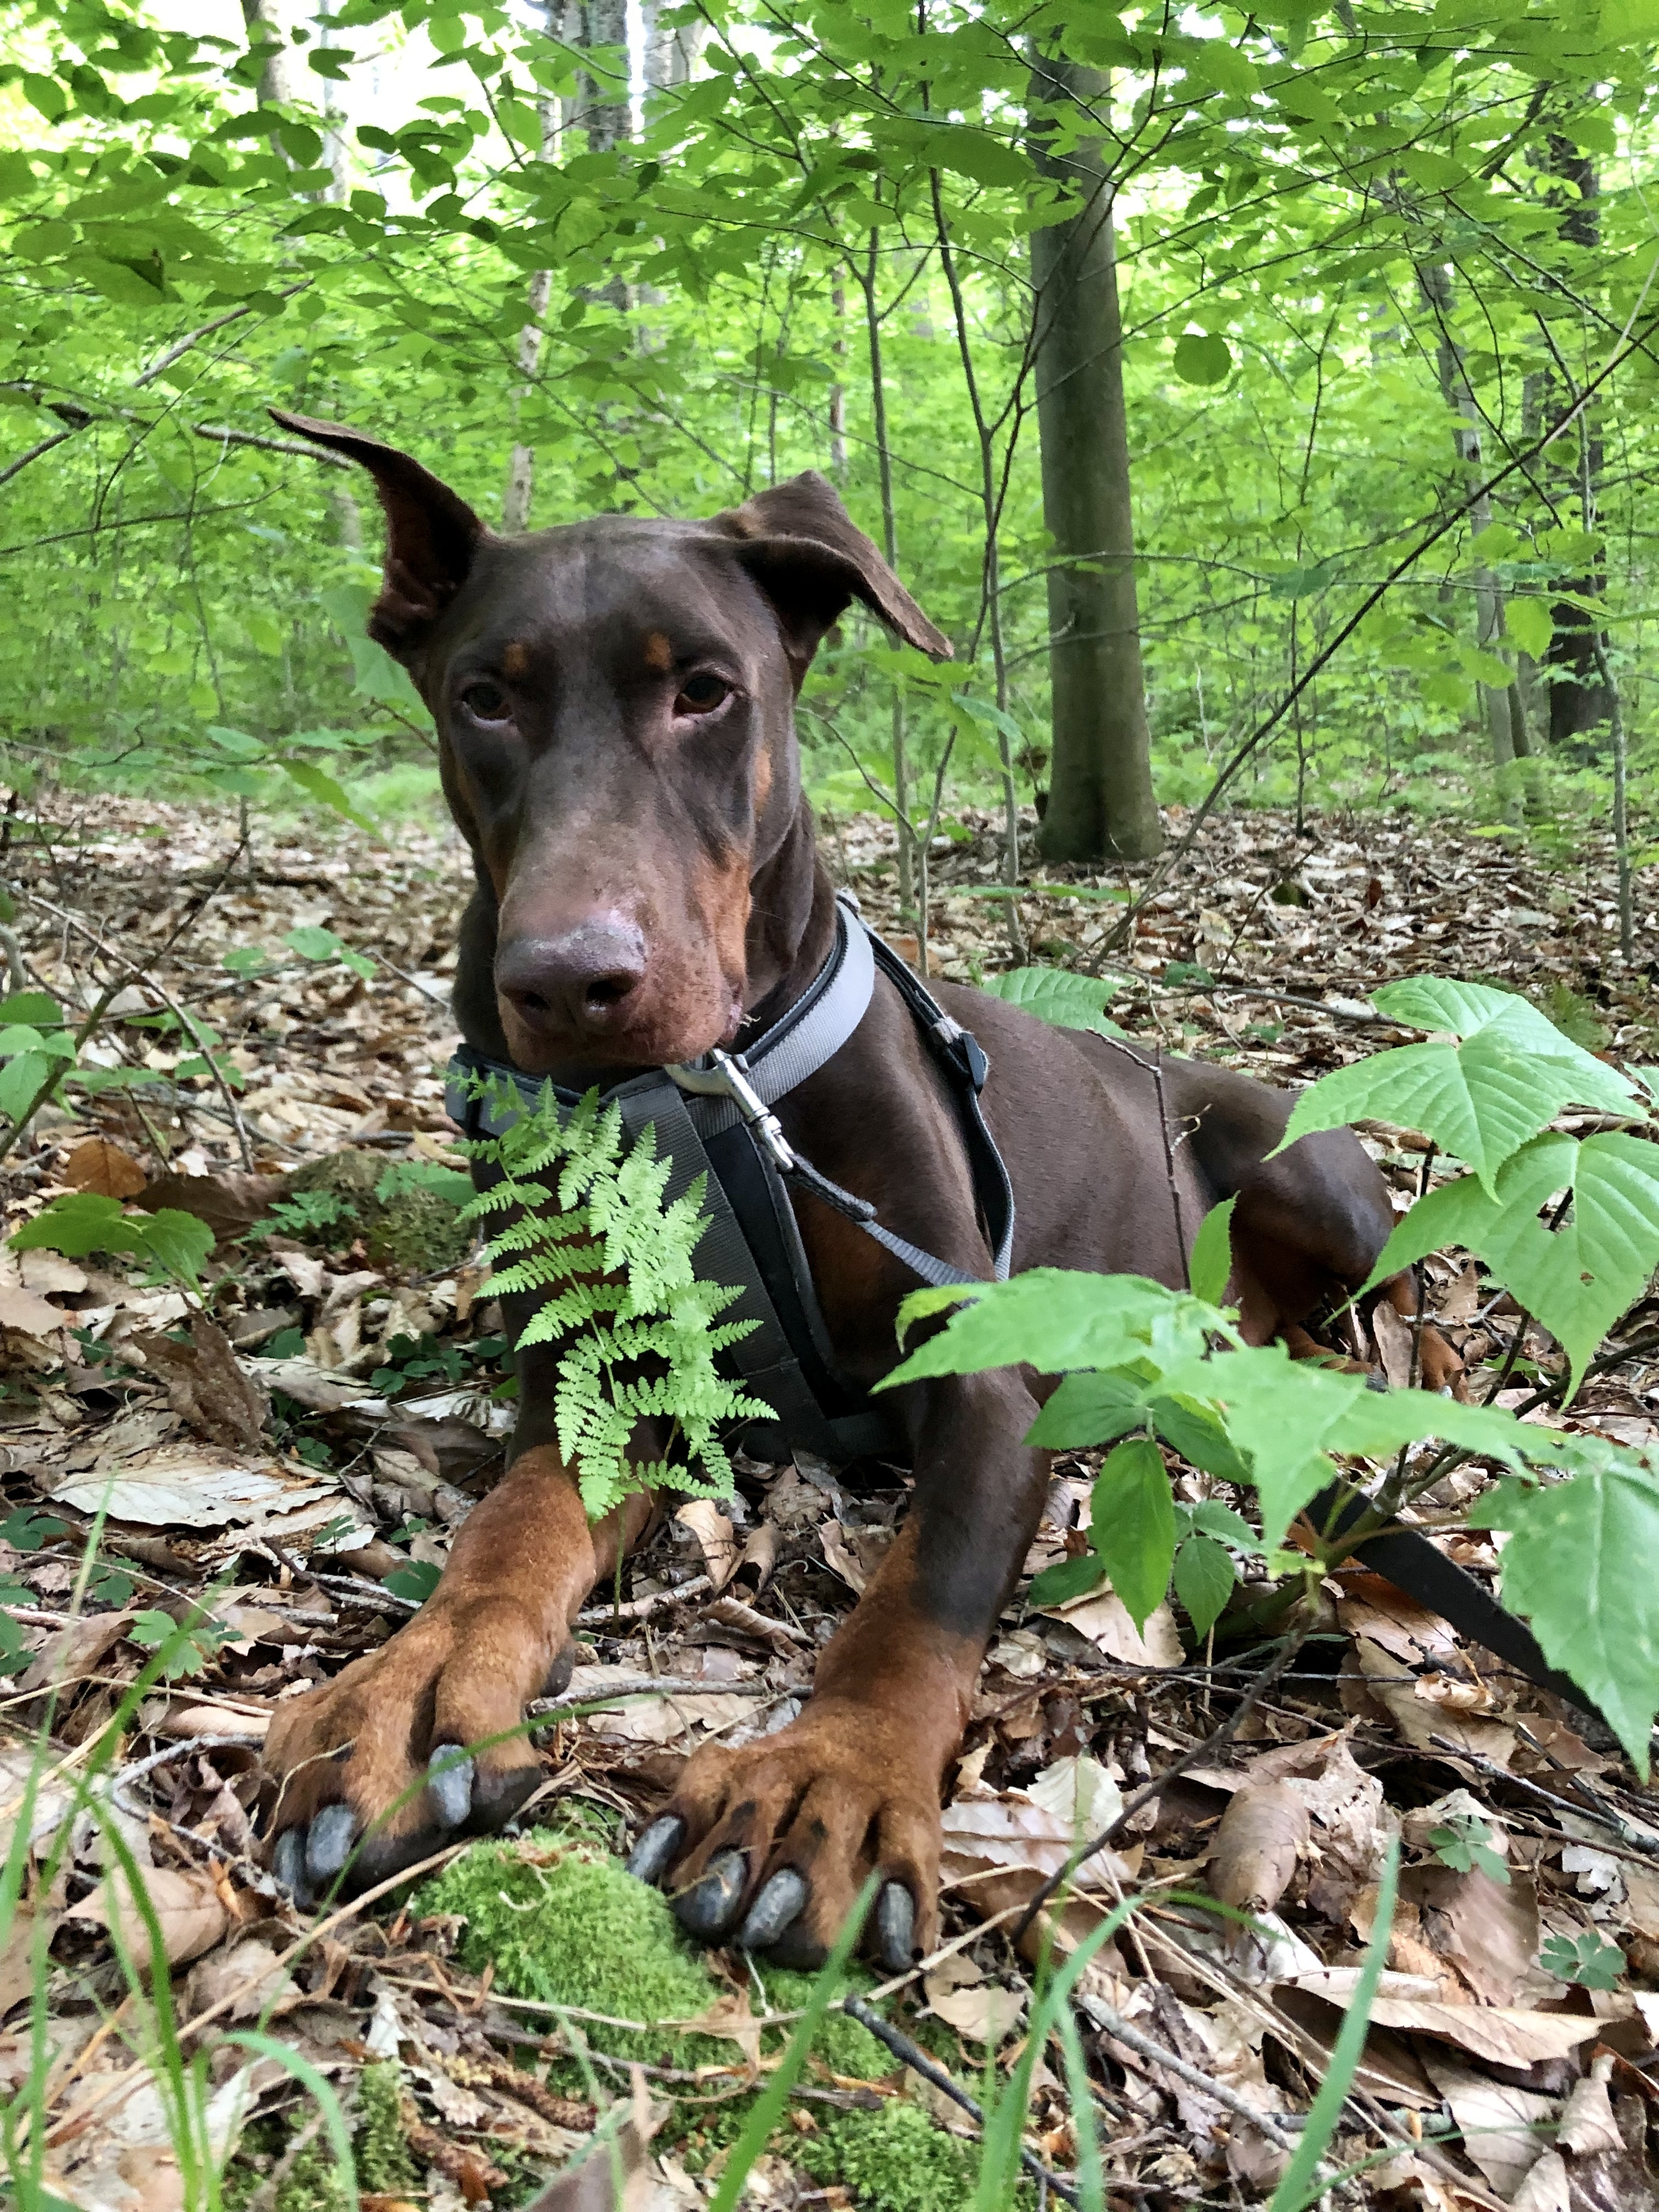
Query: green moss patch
x: 406, y: 1214
x: 561, y: 1921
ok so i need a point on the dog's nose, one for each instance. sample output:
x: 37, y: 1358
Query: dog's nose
x: 576, y: 985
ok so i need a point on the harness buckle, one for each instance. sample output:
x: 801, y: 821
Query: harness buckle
x: 963, y: 1049
x: 727, y: 1078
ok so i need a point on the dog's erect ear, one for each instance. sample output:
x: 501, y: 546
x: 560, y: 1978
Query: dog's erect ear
x: 810, y: 558
x: 431, y: 534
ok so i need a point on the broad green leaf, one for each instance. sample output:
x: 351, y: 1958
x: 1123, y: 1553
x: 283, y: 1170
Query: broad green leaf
x: 1479, y: 1098
x: 1290, y: 1417
x: 34, y: 1009
x: 1528, y: 622
x: 1577, y: 1280
x: 21, y: 1079
x: 1202, y: 358
x: 318, y: 784
x: 1578, y: 1566
x: 175, y: 1242
x: 81, y: 1222
x: 1195, y: 1432
x: 1067, y: 1579
x: 1089, y: 1409
x: 1204, y: 1578
x: 1056, y: 1318
x: 1132, y: 1525
x: 1211, y: 1261
x: 1070, y: 1001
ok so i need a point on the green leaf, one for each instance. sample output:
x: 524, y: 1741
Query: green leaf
x: 175, y: 1243
x: 1466, y: 1844
x: 318, y: 784
x: 1070, y: 1001
x: 1528, y: 622
x: 313, y: 942
x: 1204, y: 1578
x: 1067, y: 1579
x: 1132, y: 1525
x: 1579, y: 1280
x: 417, y: 1581
x: 1055, y: 1319
x: 81, y: 1222
x: 1290, y: 1417
x: 1089, y: 1409
x: 34, y: 1009
x: 1587, y: 1960
x: 1202, y: 358
x: 1578, y: 1566
x: 1480, y: 1098
x: 1194, y: 1432
x: 1211, y: 1261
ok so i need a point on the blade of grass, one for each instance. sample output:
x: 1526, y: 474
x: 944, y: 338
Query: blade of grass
x: 1299, y: 2188
x: 769, y: 2107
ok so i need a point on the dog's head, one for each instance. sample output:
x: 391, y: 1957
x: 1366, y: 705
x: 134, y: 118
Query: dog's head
x: 615, y: 708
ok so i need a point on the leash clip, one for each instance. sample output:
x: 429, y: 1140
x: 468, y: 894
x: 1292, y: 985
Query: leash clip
x: 727, y: 1078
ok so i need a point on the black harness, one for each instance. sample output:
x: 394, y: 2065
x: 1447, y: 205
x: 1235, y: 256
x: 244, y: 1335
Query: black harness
x: 715, y: 1119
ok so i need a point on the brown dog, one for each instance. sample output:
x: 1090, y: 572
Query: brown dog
x: 615, y: 704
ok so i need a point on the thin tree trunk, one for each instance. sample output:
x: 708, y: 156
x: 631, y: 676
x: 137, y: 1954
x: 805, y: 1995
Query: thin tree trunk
x: 907, y: 856
x: 838, y: 389
x: 1101, y: 803
x: 269, y: 22
x: 1502, y: 712
x: 519, y: 490
x: 1580, y: 700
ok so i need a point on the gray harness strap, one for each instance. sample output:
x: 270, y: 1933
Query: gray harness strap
x: 691, y: 1108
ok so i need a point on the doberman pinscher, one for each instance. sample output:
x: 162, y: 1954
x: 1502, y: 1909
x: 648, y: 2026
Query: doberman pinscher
x: 615, y: 702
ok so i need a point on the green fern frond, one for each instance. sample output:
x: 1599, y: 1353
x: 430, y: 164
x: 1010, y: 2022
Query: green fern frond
x: 579, y: 1220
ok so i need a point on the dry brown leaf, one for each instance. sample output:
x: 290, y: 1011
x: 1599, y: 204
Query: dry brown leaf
x: 1547, y: 2187
x: 983, y: 2013
x: 1504, y: 2035
x: 841, y: 1557
x: 1394, y: 1344
x: 74, y: 1651
x: 17, y: 1952
x: 1416, y: 1721
x: 248, y: 1976
x: 1587, y: 2121
x: 104, y: 1168
x: 1487, y: 1930
x: 730, y: 2017
x: 715, y: 1541
x: 229, y: 1203
x: 205, y: 1384
x: 29, y: 1313
x: 1502, y: 2127
x: 186, y: 1901
x: 1104, y: 1618
x: 592, y: 2187
x: 1263, y: 1834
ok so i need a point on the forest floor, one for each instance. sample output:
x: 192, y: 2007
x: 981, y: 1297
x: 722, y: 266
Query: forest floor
x: 1488, y: 2077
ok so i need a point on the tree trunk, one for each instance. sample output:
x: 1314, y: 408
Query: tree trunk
x: 670, y: 55
x: 280, y: 73
x: 1101, y: 804
x: 1502, y: 709
x: 1580, y: 701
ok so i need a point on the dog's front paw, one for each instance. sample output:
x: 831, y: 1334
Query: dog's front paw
x: 768, y: 1846
x: 393, y: 1759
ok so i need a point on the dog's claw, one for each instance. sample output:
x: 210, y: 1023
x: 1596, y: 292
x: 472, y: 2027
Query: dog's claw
x: 895, y: 1928
x: 656, y: 1849
x: 449, y: 1785
x: 328, y: 1841
x: 707, y: 1907
x: 287, y: 1861
x: 780, y: 1901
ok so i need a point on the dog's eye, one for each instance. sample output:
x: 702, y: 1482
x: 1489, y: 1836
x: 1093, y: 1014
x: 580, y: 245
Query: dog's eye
x: 485, y: 702
x: 700, y: 695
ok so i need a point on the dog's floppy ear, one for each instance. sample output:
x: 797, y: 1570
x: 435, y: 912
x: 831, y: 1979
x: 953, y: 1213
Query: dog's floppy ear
x: 431, y: 534
x: 810, y: 558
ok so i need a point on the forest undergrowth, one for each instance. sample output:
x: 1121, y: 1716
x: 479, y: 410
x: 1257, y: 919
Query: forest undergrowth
x: 288, y: 1511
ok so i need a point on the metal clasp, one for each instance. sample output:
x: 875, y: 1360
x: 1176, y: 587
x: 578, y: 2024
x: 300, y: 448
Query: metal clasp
x: 727, y: 1079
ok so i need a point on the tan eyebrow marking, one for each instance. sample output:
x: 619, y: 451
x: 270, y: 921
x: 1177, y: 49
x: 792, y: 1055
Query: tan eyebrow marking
x: 516, y: 659
x: 659, y: 652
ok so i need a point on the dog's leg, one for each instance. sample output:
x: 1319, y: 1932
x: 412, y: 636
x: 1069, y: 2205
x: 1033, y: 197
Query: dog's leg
x: 769, y: 1844
x: 359, y: 1757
